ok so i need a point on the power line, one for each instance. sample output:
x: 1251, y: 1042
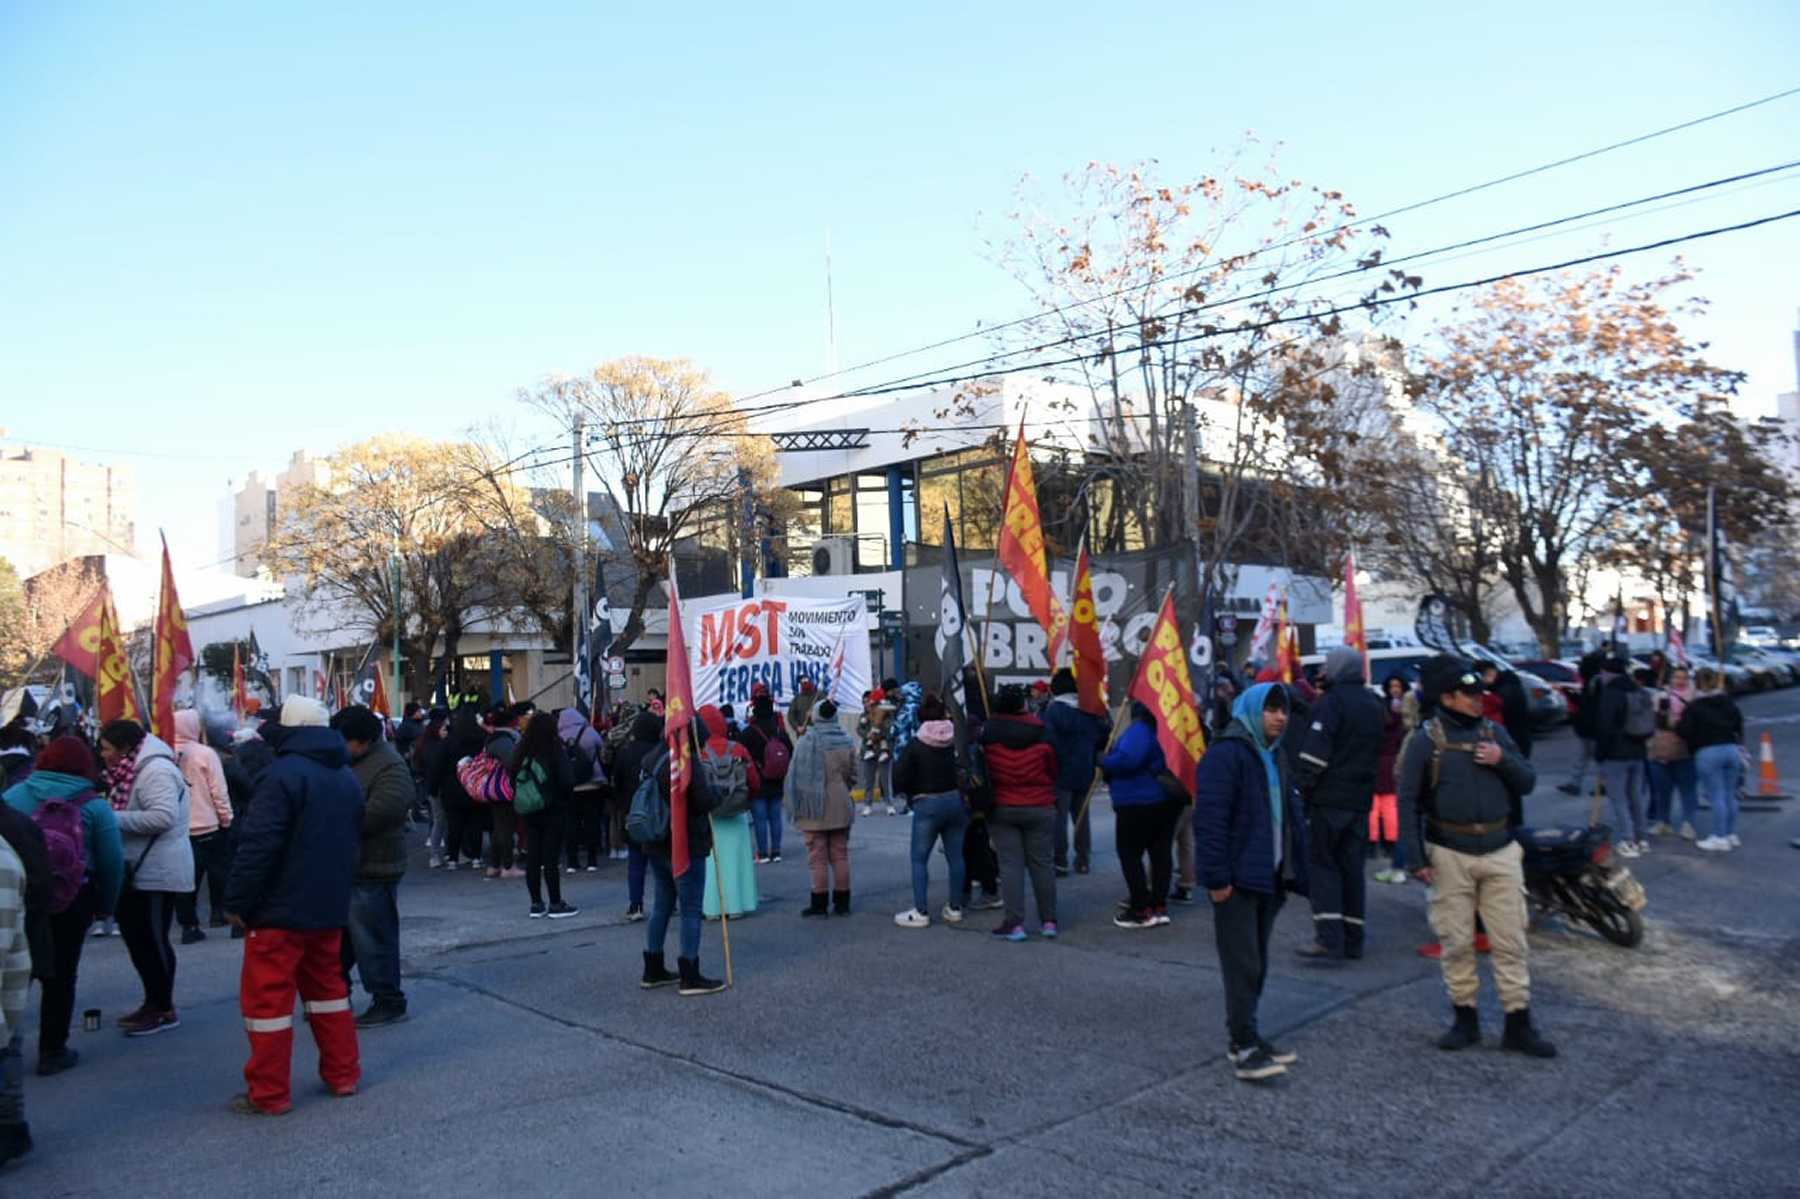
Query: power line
x: 1380, y: 216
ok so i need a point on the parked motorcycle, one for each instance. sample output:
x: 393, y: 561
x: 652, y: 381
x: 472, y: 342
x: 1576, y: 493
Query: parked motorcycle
x: 1572, y: 872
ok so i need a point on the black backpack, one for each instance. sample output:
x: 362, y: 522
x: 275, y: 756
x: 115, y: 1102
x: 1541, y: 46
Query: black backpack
x: 581, y: 767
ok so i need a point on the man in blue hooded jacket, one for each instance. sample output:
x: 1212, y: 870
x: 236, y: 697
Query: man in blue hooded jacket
x: 1248, y: 837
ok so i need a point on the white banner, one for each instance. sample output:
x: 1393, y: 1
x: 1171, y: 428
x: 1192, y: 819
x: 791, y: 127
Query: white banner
x: 735, y: 644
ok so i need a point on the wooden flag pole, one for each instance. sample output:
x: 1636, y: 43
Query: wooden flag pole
x: 719, y: 881
x: 1118, y: 725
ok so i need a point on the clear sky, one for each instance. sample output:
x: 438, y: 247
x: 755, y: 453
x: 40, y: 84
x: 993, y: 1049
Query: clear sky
x: 228, y: 231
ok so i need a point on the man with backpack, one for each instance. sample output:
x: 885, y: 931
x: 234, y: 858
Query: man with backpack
x: 1624, y: 720
x: 1460, y: 779
x: 76, y: 836
x: 1339, y: 750
x: 587, y: 817
x: 772, y: 753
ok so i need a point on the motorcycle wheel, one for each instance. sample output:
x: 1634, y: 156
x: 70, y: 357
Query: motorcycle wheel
x: 1613, y: 920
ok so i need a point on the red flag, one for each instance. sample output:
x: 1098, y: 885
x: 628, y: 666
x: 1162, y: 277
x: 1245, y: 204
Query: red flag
x: 1287, y: 645
x: 379, y: 701
x: 79, y: 645
x: 1355, y: 635
x: 678, y: 713
x: 1021, y: 548
x: 116, y: 695
x: 1164, y: 685
x: 238, y: 694
x: 1084, y: 635
x: 174, y: 653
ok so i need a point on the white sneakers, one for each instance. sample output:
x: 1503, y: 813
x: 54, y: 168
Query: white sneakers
x: 1687, y: 831
x: 914, y: 918
x: 1627, y: 849
x: 1714, y: 844
x: 952, y: 915
x: 1735, y: 841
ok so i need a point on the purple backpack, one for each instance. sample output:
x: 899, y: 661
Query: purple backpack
x: 60, y: 822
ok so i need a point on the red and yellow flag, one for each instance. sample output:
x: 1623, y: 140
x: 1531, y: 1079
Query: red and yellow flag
x: 79, y: 645
x: 1287, y: 645
x: 115, y: 696
x: 1165, y: 686
x: 239, y: 696
x: 378, y: 702
x: 1021, y: 548
x: 1355, y: 635
x: 678, y: 715
x: 174, y: 653
x: 1084, y: 635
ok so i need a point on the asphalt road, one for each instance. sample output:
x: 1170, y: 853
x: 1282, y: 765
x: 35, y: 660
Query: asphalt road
x: 853, y: 1057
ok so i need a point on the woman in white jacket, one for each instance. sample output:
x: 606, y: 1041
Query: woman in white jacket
x: 150, y: 798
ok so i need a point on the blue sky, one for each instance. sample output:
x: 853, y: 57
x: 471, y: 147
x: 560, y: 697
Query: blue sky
x: 228, y: 231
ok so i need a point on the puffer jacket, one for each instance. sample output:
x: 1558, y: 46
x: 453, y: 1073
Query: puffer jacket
x: 387, y: 787
x: 1020, y: 763
x: 927, y: 765
x: 209, y: 795
x: 1076, y: 736
x: 1234, y: 824
x: 296, y: 854
x: 1133, y: 767
x: 154, y: 824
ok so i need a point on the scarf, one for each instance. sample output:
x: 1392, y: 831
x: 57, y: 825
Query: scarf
x: 119, y: 778
x: 805, y: 791
x: 1248, y: 711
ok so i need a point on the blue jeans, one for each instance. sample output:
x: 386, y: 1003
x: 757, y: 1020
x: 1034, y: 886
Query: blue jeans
x: 765, y: 814
x: 1624, y: 779
x: 937, y: 817
x: 1665, y: 777
x: 690, y: 889
x: 373, y: 943
x: 1720, y: 771
x: 635, y: 865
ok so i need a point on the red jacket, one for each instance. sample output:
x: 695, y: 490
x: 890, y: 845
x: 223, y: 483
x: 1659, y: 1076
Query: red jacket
x: 1020, y: 762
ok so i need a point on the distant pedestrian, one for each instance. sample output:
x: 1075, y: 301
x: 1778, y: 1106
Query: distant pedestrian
x: 1461, y: 780
x: 641, y: 748
x: 927, y: 775
x: 462, y: 830
x: 1022, y: 768
x: 150, y: 803
x: 1670, y: 764
x: 1624, y: 719
x: 799, y: 711
x: 772, y: 751
x: 65, y: 775
x: 543, y: 790
x: 682, y: 893
x: 874, y: 732
x: 502, y: 742
x: 1144, y: 816
x: 1384, y: 816
x: 1340, y: 750
x: 427, y: 761
x: 290, y: 887
x: 1077, y: 737
x: 1713, y: 728
x: 588, y: 824
x: 818, y: 799
x: 371, y: 940
x: 1587, y: 708
x: 1247, y: 835
x: 731, y: 868
x: 209, y: 819
x: 15, y: 984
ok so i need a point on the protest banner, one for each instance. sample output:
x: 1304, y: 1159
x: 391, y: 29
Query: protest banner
x: 777, y: 641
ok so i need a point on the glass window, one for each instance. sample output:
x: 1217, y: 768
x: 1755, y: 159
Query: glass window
x: 871, y: 530
x: 840, y: 509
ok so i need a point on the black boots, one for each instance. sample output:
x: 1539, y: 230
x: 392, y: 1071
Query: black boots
x: 1522, y: 1038
x: 1466, y: 1031
x: 818, y: 907
x: 656, y: 971
x: 15, y: 1141
x: 693, y: 982
x: 840, y: 903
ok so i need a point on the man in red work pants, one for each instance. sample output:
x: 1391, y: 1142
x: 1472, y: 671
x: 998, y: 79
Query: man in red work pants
x: 290, y: 887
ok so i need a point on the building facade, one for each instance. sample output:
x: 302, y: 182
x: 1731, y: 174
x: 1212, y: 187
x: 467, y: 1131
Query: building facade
x: 53, y: 508
x: 251, y: 510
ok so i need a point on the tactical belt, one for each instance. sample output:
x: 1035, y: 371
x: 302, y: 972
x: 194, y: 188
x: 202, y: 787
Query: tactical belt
x: 1467, y: 830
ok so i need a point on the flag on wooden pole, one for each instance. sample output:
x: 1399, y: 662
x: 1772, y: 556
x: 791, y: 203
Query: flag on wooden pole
x: 1287, y: 645
x: 678, y: 716
x: 238, y: 694
x: 1164, y: 685
x: 79, y: 645
x: 115, y: 694
x: 173, y: 653
x: 1355, y: 635
x: 1084, y: 636
x: 1021, y: 547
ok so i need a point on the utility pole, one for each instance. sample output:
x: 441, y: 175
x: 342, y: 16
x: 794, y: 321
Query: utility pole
x: 1190, y: 516
x: 578, y: 647
x: 399, y: 698
x: 1715, y: 584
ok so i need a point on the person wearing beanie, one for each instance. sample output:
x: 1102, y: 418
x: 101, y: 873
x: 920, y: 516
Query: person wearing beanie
x: 1077, y: 737
x: 818, y: 799
x: 1340, y: 750
x: 927, y: 775
x: 1621, y: 745
x: 65, y: 775
x: 772, y: 751
x: 875, y: 731
x: 371, y: 942
x: 1460, y: 781
x: 302, y: 711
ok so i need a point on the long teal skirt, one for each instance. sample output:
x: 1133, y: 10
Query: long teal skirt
x: 734, y: 854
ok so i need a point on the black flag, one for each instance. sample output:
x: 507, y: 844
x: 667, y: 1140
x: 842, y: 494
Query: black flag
x: 951, y: 613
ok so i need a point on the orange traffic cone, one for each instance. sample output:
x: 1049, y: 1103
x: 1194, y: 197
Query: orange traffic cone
x: 1771, y: 782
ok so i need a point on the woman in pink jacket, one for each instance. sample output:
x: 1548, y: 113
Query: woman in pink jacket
x: 209, y: 816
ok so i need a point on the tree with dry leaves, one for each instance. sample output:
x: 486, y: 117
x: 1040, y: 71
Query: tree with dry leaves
x: 1563, y: 409
x: 1203, y: 295
x: 670, y: 452
x: 35, y: 612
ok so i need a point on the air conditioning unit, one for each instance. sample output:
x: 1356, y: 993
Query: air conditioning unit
x: 834, y: 556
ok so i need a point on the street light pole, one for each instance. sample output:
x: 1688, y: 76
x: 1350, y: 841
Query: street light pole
x: 578, y: 648
x: 394, y: 576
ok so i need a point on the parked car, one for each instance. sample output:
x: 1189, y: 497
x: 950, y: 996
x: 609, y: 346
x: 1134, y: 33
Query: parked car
x: 1563, y: 676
